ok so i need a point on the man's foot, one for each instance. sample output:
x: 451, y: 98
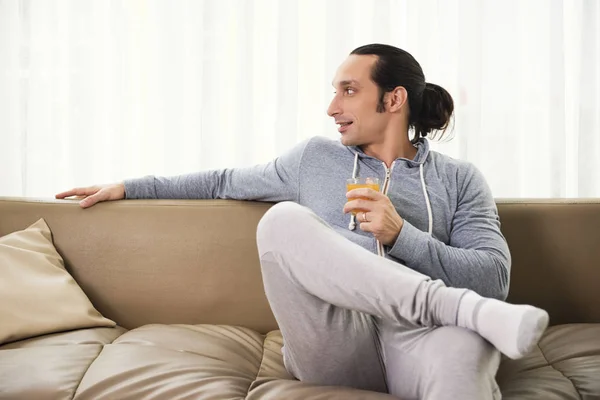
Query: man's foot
x: 514, y: 330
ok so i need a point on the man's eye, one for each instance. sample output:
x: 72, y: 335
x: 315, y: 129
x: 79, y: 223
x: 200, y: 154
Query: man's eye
x: 350, y: 91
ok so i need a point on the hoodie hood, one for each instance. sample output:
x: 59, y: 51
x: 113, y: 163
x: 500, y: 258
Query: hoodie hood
x: 422, y: 146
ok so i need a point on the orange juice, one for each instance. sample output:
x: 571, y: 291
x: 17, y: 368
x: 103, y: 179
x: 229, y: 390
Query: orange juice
x: 356, y: 183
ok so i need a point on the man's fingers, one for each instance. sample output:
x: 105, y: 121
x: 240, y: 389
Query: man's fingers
x: 94, y: 194
x: 78, y: 192
x: 363, y: 193
x: 68, y: 193
x: 366, y: 226
x: 359, y: 205
x: 91, y: 200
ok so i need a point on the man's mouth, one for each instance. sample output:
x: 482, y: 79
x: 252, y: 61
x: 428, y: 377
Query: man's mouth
x: 344, y: 126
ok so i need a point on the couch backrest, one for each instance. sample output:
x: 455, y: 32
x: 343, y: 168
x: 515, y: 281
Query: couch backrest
x: 555, y: 248
x: 176, y: 261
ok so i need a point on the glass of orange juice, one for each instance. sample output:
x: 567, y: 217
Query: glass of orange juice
x: 355, y: 183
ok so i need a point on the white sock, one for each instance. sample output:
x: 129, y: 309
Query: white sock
x: 513, y: 329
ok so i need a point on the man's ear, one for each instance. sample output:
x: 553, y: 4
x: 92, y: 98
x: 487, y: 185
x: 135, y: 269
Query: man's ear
x: 397, y: 99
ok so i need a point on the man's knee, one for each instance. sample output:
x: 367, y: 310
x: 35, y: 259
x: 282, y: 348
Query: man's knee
x: 275, y: 226
x: 459, y: 347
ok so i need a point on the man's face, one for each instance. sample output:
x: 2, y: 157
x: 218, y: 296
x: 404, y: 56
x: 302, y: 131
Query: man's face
x: 354, y: 106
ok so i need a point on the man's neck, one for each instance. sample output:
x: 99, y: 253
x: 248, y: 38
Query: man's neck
x: 391, y: 148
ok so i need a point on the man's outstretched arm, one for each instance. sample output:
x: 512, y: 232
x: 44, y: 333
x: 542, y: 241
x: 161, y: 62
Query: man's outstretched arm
x: 273, y: 181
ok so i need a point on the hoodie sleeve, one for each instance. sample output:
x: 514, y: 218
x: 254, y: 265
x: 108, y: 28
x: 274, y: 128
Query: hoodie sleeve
x: 477, y: 255
x: 274, y: 181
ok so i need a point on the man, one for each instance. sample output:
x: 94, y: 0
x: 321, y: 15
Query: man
x: 394, y: 304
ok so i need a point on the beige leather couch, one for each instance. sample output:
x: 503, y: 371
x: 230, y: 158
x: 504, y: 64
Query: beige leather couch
x: 182, y: 280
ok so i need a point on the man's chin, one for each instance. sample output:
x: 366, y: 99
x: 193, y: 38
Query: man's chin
x: 347, y: 140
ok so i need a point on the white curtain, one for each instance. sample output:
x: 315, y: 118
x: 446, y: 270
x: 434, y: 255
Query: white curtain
x: 94, y: 91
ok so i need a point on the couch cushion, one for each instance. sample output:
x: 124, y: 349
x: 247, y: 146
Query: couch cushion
x: 199, y: 362
x: 216, y: 362
x: 566, y: 365
x: 52, y: 372
x: 50, y: 366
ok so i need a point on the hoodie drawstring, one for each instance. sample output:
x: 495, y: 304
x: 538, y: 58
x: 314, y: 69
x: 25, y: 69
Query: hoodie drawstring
x: 352, y: 224
x: 429, y: 214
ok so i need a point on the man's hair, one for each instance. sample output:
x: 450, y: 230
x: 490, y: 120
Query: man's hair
x: 431, y: 106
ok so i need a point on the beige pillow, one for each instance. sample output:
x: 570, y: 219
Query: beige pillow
x: 37, y: 295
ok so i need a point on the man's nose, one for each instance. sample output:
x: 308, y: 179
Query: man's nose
x: 334, y: 108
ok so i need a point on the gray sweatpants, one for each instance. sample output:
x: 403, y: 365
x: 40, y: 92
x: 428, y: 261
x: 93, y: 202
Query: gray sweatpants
x: 349, y: 317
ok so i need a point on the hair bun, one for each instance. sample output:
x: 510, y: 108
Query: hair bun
x: 436, y: 110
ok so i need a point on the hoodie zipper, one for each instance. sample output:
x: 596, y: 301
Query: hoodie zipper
x: 386, y: 187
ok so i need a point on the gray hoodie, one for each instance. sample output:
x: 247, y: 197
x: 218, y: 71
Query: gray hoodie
x: 451, y: 228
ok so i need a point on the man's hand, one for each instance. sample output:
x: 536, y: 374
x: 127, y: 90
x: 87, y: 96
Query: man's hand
x: 375, y: 213
x: 95, y: 194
